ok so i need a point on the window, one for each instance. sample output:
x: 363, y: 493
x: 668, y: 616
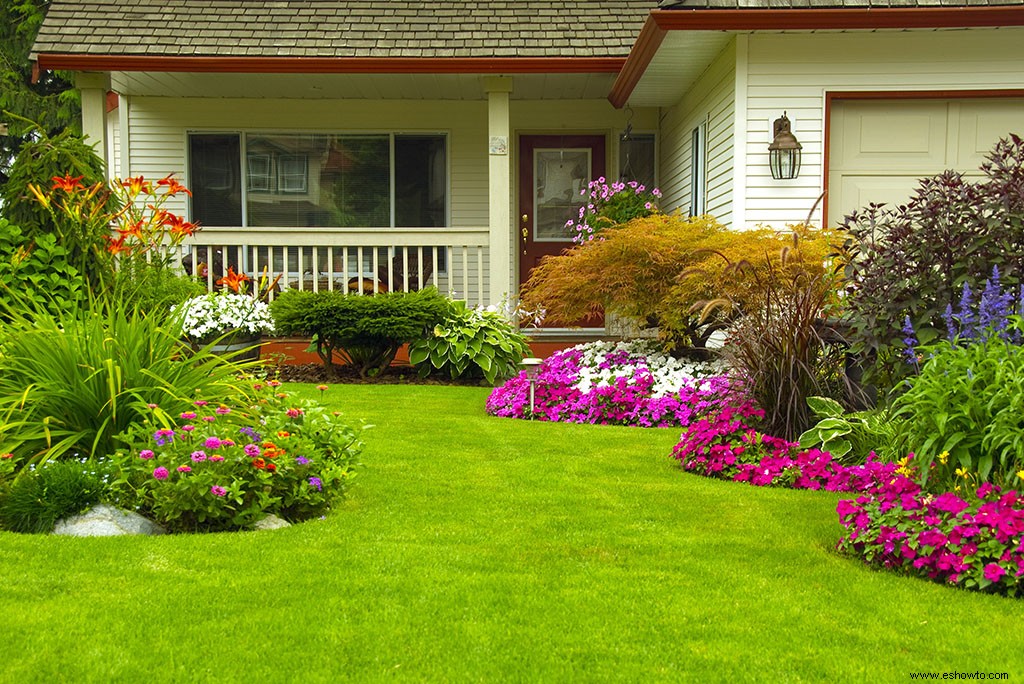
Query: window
x: 698, y: 170
x: 637, y: 159
x: 314, y: 180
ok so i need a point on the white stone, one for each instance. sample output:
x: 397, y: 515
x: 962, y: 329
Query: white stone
x: 106, y: 521
x: 271, y: 522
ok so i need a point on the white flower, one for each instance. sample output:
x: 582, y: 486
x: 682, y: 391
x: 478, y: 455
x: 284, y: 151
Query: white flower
x: 217, y: 313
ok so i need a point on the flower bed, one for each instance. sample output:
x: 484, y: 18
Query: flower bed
x: 615, y: 383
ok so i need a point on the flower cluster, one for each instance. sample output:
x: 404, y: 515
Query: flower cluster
x: 208, y: 316
x: 215, y: 468
x: 975, y: 542
x: 610, y: 205
x: 623, y: 384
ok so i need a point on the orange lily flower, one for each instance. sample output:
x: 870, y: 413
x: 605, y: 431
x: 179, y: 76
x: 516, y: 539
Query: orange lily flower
x: 67, y: 183
x: 179, y: 227
x: 117, y: 246
x: 135, y: 231
x: 173, y: 186
x: 137, y: 185
x: 233, y: 280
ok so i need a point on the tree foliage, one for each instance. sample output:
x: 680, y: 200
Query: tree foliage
x: 51, y: 101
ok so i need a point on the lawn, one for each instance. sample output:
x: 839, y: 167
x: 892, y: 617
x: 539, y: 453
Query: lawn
x: 481, y: 549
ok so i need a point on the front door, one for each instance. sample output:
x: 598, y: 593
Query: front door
x: 554, y: 171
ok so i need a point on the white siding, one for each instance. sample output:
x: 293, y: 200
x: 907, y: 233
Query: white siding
x: 712, y: 100
x: 793, y: 72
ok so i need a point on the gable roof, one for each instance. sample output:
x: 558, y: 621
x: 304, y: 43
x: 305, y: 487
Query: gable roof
x: 344, y: 28
x: 827, y: 4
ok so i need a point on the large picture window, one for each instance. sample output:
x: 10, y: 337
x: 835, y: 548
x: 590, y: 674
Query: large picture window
x: 314, y: 180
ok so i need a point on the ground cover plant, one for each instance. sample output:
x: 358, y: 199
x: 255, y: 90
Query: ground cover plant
x: 484, y: 549
x: 623, y: 383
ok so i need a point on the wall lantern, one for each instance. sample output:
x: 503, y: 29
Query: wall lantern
x: 784, y: 152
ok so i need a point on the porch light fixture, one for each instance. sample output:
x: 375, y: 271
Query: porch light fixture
x: 531, y: 366
x: 784, y: 152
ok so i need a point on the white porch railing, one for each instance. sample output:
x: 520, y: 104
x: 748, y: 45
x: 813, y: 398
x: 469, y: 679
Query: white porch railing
x: 348, y: 259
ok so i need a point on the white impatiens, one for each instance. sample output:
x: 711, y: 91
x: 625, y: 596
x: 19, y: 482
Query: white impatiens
x: 214, y: 314
x: 603, y: 362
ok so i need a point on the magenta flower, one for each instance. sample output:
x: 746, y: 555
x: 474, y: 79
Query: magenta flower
x: 208, y: 419
x: 222, y: 410
x: 251, y: 450
x: 217, y: 458
x: 188, y: 428
x: 188, y: 415
x: 146, y: 454
x: 217, y: 490
x: 198, y: 456
x: 200, y: 402
x: 162, y: 437
x: 184, y: 469
x: 161, y: 473
x: 994, y: 572
x: 294, y: 412
x: 212, y: 443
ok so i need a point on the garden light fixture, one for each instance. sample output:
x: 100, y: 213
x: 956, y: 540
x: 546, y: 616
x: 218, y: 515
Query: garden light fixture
x: 784, y: 152
x: 531, y: 366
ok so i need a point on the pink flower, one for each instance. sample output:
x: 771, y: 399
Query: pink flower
x: 188, y: 428
x: 217, y: 490
x: 198, y: 457
x: 222, y: 410
x: 212, y: 443
x: 146, y: 454
x: 994, y: 572
x: 188, y: 415
x: 294, y: 412
x: 217, y: 458
x: 161, y: 473
x: 184, y: 469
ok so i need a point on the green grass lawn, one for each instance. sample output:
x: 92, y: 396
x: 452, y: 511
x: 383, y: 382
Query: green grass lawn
x: 481, y: 549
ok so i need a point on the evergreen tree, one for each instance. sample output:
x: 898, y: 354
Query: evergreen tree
x: 51, y: 101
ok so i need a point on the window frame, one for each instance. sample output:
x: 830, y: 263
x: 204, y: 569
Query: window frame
x: 699, y: 169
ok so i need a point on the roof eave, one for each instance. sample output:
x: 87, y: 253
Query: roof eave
x: 330, y: 65
x: 660, y: 22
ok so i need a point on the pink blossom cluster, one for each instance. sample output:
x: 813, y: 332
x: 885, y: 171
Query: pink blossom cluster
x: 600, y: 194
x: 626, y: 400
x: 975, y: 542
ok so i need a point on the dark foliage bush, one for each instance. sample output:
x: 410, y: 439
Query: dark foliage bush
x: 37, y: 499
x: 914, y: 259
x: 363, y: 330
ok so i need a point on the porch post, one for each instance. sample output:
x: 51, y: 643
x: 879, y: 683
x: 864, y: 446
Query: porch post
x: 93, y: 88
x: 499, y: 185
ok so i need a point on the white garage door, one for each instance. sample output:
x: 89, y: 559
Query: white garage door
x: 879, y: 148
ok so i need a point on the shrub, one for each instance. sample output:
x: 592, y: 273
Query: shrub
x: 365, y: 331
x: 470, y: 342
x: 70, y: 385
x: 660, y: 271
x: 915, y: 258
x: 38, y: 498
x: 608, y: 383
x: 213, y: 470
x: 35, y: 274
x: 783, y: 348
x: 850, y: 437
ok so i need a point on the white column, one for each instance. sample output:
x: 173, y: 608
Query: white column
x: 502, y: 280
x: 93, y: 88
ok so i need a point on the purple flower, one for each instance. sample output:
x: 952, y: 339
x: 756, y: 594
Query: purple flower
x: 212, y: 443
x: 146, y: 454
x: 909, y: 341
x: 217, y: 490
x: 161, y: 473
x: 250, y: 433
x: 301, y: 460
x: 198, y: 456
x: 162, y: 437
x: 316, y: 482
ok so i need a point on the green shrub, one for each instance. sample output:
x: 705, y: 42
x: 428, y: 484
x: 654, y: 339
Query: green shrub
x: 36, y: 274
x: 72, y: 384
x: 915, y: 259
x: 211, y: 471
x: 965, y: 412
x: 365, y: 331
x: 38, y: 498
x: 851, y: 437
x: 470, y: 342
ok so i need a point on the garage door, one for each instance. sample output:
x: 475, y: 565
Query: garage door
x: 879, y: 148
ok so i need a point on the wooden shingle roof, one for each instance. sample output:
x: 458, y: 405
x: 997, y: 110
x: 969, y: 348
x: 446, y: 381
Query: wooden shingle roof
x: 829, y: 4
x: 343, y: 28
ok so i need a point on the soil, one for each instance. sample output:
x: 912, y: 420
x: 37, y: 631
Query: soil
x: 316, y: 373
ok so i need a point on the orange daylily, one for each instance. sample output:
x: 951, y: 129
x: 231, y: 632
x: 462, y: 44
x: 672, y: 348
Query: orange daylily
x: 67, y: 183
x: 179, y: 227
x: 233, y: 280
x: 173, y: 186
x: 117, y: 246
x: 134, y: 230
x: 136, y: 185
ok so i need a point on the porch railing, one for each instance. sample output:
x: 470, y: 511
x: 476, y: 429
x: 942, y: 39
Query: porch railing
x: 455, y: 260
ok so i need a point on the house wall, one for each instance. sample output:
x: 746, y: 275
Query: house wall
x: 712, y: 101
x: 792, y: 72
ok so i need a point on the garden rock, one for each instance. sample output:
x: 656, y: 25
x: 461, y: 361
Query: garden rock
x: 106, y: 521
x: 271, y: 522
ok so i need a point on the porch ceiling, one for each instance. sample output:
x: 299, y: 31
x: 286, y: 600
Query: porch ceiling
x: 357, y: 86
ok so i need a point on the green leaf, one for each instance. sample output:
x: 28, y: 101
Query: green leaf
x: 825, y: 407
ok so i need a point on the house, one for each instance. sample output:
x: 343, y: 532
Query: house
x: 398, y: 142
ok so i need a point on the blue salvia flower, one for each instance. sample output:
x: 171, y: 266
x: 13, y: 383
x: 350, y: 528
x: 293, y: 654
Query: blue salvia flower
x: 947, y: 316
x: 909, y: 341
x: 994, y: 307
x: 966, y: 316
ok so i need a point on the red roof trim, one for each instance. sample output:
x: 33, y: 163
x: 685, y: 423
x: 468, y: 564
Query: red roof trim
x: 333, y: 65
x: 741, y: 20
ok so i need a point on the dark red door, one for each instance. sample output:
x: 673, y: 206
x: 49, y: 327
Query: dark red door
x: 553, y: 171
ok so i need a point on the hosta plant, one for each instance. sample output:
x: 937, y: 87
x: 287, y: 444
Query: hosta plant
x: 470, y: 342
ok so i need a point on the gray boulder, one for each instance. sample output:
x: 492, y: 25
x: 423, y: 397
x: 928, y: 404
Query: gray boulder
x: 271, y: 522
x: 106, y: 521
